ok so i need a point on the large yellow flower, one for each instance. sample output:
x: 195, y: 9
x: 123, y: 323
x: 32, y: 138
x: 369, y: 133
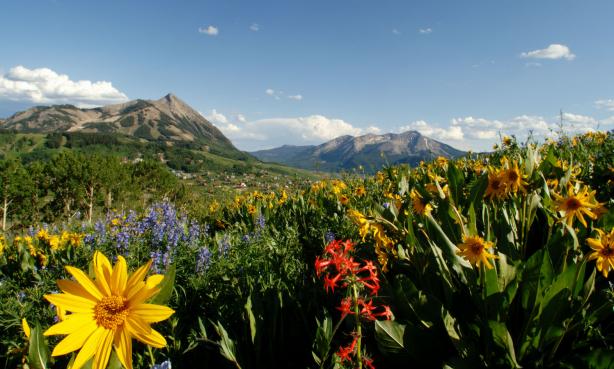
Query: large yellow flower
x: 497, y: 185
x: 107, y: 312
x: 419, y: 205
x: 576, y: 205
x: 473, y: 248
x: 514, y: 178
x: 603, y: 251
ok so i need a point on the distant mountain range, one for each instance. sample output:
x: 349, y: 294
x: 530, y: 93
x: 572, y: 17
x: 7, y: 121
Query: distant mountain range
x: 369, y: 151
x: 172, y: 123
x: 166, y: 119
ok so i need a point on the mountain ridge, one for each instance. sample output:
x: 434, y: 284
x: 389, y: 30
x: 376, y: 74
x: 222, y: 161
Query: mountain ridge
x: 370, y: 151
x: 167, y: 119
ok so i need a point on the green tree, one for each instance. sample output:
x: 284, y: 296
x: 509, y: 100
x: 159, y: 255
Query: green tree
x: 15, y: 188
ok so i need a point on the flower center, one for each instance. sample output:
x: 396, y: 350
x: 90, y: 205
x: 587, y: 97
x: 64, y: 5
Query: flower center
x: 495, y: 184
x: 513, y: 176
x: 607, y: 252
x: 111, y: 312
x: 573, y: 203
x: 476, y: 248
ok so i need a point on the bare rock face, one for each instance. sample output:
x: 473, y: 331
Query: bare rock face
x: 369, y: 151
x: 167, y: 118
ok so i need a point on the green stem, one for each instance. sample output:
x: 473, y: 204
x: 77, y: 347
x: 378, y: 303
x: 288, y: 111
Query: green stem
x: 358, y: 326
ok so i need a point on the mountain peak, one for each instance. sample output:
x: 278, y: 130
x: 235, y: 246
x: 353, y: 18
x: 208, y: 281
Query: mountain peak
x: 347, y: 152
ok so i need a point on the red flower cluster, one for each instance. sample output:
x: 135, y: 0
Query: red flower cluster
x: 346, y: 353
x: 340, y: 270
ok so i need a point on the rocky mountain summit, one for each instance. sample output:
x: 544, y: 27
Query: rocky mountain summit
x: 370, y: 151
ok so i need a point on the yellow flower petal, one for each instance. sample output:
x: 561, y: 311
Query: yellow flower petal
x: 72, y: 303
x: 136, y: 325
x: 85, y: 282
x: 123, y: 348
x: 119, y: 276
x: 74, y: 288
x: 138, y: 275
x: 154, y: 280
x: 75, y: 340
x: 73, y: 323
x: 89, y: 348
x: 26, y: 327
x: 151, y: 337
x: 151, y: 313
x: 101, y: 358
x: 102, y: 269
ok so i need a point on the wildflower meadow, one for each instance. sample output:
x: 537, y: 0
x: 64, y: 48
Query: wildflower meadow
x: 498, y: 260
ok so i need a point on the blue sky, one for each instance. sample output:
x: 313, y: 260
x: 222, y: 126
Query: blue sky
x: 302, y: 72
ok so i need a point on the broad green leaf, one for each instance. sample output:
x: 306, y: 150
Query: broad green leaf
x: 166, y: 287
x: 389, y: 336
x: 38, y: 352
x: 503, y: 339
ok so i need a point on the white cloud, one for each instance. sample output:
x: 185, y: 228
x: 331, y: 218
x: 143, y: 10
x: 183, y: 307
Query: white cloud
x: 216, y: 118
x: 553, y: 51
x: 425, y: 31
x: 272, y: 132
x: 209, y: 30
x: 396, y: 31
x: 44, y: 86
x: 450, y: 133
x: 276, y: 94
x: 254, y: 27
x: 605, y: 104
x: 298, y: 97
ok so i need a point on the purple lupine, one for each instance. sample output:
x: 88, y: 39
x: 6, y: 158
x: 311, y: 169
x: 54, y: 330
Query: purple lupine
x: 204, y: 260
x: 261, y: 221
x: 329, y: 237
x: 224, y: 245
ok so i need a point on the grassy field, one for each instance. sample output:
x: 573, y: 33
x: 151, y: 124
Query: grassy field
x: 503, y: 260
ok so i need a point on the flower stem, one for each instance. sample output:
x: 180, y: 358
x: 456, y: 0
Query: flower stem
x: 358, y: 326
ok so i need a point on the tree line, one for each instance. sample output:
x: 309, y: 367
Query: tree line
x: 73, y: 184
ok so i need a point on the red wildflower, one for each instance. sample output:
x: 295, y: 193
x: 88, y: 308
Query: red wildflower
x: 320, y: 265
x: 345, y: 307
x: 345, y: 352
x: 368, y: 362
x: 331, y: 282
x: 367, y: 309
x: 387, y: 313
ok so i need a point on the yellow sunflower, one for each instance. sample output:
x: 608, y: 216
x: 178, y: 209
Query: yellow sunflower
x: 497, y: 185
x: 418, y: 204
x: 576, y: 205
x: 473, y: 248
x: 361, y: 221
x: 514, y: 180
x: 603, y: 251
x: 107, y: 312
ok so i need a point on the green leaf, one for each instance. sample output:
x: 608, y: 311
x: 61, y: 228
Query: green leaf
x: 166, y: 287
x: 389, y: 336
x: 251, y: 318
x: 38, y: 353
x: 227, y: 345
x: 322, y: 340
x: 114, y: 362
x: 455, y: 181
x: 503, y: 339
